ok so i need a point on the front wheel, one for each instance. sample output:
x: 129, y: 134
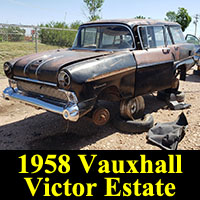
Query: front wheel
x: 132, y: 108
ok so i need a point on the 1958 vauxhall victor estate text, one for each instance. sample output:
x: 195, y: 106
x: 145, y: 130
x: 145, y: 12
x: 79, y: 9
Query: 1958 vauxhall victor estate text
x: 115, y: 60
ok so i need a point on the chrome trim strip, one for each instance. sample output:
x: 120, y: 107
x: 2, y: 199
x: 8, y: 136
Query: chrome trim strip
x: 43, y: 63
x: 35, y: 81
x: 26, y: 66
x: 70, y: 111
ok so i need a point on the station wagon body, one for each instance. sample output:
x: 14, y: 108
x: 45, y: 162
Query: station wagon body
x: 110, y: 60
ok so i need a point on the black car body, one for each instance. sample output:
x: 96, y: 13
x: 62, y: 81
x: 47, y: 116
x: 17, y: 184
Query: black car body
x: 110, y: 60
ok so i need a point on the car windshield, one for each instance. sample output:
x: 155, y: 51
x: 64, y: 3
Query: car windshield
x: 104, y: 37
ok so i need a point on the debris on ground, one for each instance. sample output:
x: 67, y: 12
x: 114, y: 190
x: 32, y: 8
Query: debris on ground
x: 168, y: 135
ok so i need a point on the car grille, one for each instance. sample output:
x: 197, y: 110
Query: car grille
x: 44, y: 90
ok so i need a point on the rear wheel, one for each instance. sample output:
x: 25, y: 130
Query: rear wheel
x: 132, y: 108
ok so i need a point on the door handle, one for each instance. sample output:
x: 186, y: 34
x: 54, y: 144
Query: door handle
x: 166, y: 50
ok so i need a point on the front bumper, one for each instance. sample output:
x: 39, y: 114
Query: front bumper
x: 70, y: 110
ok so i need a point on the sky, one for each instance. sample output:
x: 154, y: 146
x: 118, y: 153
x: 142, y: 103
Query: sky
x: 35, y: 12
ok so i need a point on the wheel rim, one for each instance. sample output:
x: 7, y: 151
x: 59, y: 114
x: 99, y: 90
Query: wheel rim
x: 101, y: 116
x: 133, y: 108
x: 128, y: 108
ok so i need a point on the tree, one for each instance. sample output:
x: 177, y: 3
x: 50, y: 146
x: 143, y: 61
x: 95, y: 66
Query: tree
x: 75, y: 25
x: 140, y: 17
x: 61, y: 38
x: 94, y: 8
x: 12, y: 33
x: 171, y: 16
x: 182, y: 17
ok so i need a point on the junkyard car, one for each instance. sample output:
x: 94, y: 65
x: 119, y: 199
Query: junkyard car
x: 194, y: 40
x: 115, y: 60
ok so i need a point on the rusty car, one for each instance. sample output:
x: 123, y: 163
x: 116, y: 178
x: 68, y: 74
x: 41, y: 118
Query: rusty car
x: 194, y: 40
x: 111, y: 60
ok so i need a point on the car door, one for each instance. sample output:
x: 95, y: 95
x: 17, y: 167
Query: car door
x: 193, y: 40
x: 174, y: 47
x: 183, y: 49
x: 155, y: 64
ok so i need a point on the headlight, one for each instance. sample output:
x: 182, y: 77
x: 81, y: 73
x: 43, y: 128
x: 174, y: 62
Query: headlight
x: 7, y: 68
x: 64, y: 80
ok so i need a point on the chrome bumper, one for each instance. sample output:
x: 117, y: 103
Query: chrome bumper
x: 70, y: 111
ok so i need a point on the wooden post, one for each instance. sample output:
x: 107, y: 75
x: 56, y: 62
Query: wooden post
x: 36, y: 40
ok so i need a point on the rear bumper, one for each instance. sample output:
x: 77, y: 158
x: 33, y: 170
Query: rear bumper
x: 70, y: 110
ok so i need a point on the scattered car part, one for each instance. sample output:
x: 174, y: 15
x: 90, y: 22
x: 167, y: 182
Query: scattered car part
x: 175, y: 105
x: 101, y: 116
x: 166, y: 96
x: 134, y: 126
x: 179, y: 96
x: 132, y: 108
x: 168, y: 135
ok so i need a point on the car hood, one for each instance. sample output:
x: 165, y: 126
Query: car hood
x: 46, y: 66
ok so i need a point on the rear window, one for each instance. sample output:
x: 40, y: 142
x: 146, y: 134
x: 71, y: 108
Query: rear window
x: 177, y: 34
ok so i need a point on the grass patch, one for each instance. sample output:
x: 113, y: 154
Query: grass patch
x: 11, y: 50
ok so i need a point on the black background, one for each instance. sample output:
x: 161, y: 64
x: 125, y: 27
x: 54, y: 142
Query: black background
x: 14, y: 186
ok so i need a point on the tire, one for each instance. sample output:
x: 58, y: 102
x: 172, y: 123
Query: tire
x: 134, y: 126
x: 132, y: 108
x: 165, y: 96
x: 180, y: 96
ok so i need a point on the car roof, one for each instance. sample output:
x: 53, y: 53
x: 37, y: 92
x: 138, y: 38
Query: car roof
x: 133, y: 22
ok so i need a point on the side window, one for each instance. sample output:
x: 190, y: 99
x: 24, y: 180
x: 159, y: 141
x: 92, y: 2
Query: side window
x: 143, y: 35
x: 152, y: 36
x: 159, y: 36
x: 177, y: 34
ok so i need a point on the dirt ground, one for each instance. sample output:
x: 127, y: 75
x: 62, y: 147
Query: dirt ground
x: 23, y: 127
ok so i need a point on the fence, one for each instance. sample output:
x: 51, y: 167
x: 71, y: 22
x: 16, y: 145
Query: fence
x: 19, y: 40
x: 60, y: 37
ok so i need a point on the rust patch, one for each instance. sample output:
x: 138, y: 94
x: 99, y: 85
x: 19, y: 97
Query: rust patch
x: 114, y: 73
x: 101, y: 116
